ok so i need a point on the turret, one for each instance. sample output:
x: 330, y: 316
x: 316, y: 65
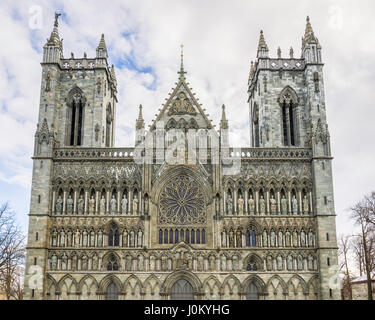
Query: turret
x: 53, y: 49
x: 262, y: 47
x: 311, y: 49
x: 101, y: 50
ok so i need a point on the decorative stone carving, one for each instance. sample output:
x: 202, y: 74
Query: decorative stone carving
x: 251, y: 204
x: 273, y: 205
x: 81, y: 204
x: 59, y: 205
x: 135, y: 205
x: 262, y: 205
x: 182, y: 202
x: 305, y: 202
x: 295, y: 205
x: 102, y: 205
x: 69, y: 205
x: 92, y: 205
x: 124, y: 205
x: 181, y: 105
x: 284, y: 205
x: 113, y: 204
x: 240, y: 205
x: 229, y: 205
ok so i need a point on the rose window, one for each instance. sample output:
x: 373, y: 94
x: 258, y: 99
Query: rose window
x: 182, y: 202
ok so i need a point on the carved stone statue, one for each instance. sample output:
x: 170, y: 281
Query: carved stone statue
x: 69, y: 238
x: 305, y: 205
x: 131, y: 238
x: 125, y: 238
x: 64, y: 261
x: 59, y: 205
x: 84, y: 238
x: 231, y: 238
x: 273, y: 204
x: 265, y: 238
x: 77, y: 237
x: 273, y: 239
x: 217, y: 205
x: 223, y: 263
x: 102, y: 205
x: 92, y: 238
x: 81, y: 204
x: 290, y: 262
x: 92, y: 205
x: 54, y: 238
x: 295, y: 205
x: 135, y: 205
x: 280, y: 238
x: 300, y: 262
x: 54, y: 262
x: 139, y: 238
x: 251, y: 204
x: 84, y: 263
x: 262, y: 205
x: 279, y: 260
x: 124, y: 205
x: 69, y: 205
x: 62, y: 238
x: 311, y: 238
x: 113, y: 204
x: 311, y: 262
x: 240, y: 205
x: 303, y: 238
x: 295, y: 238
x: 95, y: 262
x: 239, y: 238
x: 229, y: 205
x: 100, y: 238
x: 284, y: 205
x: 223, y: 239
x: 287, y: 238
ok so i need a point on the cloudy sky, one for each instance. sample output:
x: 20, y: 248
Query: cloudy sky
x: 220, y: 39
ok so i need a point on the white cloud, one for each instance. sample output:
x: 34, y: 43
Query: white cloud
x: 220, y: 39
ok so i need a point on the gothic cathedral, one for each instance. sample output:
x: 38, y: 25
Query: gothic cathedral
x: 182, y: 214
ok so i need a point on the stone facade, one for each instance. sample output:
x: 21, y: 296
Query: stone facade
x: 127, y: 223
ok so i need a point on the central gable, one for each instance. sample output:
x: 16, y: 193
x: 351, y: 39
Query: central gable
x: 182, y: 110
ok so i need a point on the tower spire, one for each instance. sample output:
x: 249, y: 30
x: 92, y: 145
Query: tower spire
x: 223, y: 121
x: 140, y: 122
x: 309, y: 33
x: 54, y: 39
x: 101, y: 50
x: 182, y: 72
x: 262, y: 46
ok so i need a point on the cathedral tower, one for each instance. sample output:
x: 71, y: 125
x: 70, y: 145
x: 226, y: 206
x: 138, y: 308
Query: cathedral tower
x: 287, y: 109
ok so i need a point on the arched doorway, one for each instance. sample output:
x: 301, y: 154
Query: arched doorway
x: 111, y: 292
x: 182, y: 290
x: 252, y: 292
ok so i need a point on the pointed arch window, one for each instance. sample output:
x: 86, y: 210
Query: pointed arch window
x: 251, y: 264
x: 76, y: 103
x: 256, y: 126
x: 288, y: 102
x: 108, y: 127
x: 112, y: 264
x: 113, y: 237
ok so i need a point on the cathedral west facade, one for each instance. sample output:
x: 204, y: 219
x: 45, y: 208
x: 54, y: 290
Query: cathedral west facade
x: 181, y: 214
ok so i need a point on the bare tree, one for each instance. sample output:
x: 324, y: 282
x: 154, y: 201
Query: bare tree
x: 344, y: 251
x: 12, y: 254
x: 360, y: 214
x: 369, y: 205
